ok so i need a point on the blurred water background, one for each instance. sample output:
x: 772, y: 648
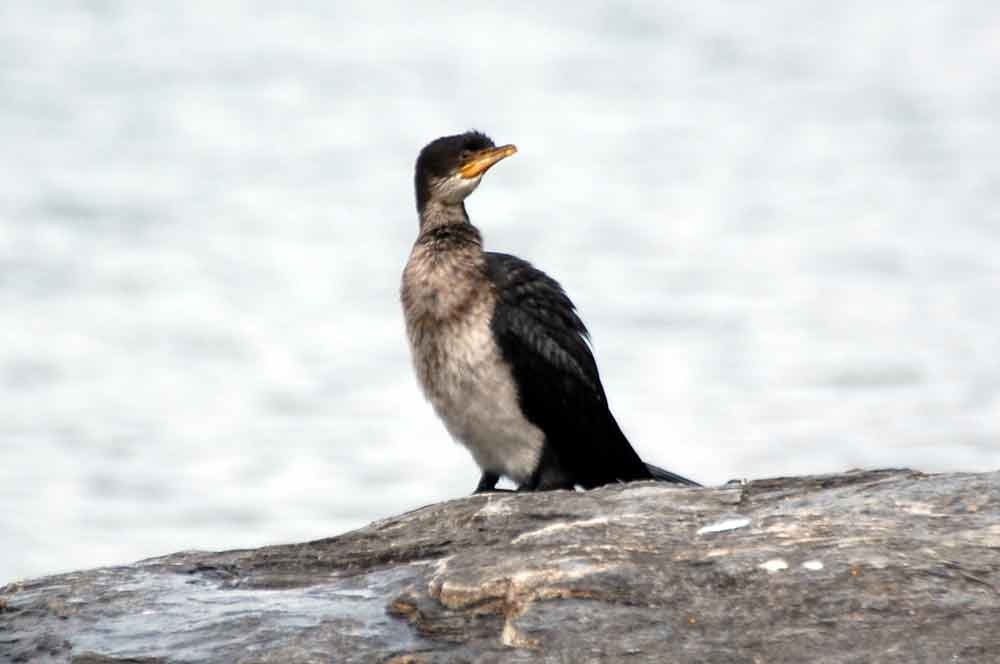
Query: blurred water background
x: 780, y: 221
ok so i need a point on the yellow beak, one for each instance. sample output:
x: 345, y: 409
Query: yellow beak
x: 484, y: 159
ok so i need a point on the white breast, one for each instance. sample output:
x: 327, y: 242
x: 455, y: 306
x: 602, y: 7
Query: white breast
x: 474, y: 394
x: 462, y: 374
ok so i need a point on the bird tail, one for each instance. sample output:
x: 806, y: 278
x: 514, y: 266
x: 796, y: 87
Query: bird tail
x: 663, y: 475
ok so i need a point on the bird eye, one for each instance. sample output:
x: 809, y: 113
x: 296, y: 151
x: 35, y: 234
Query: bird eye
x: 466, y: 154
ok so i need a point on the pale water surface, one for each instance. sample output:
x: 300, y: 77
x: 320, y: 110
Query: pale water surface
x: 780, y: 220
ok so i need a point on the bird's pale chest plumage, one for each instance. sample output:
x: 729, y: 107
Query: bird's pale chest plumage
x: 448, y: 303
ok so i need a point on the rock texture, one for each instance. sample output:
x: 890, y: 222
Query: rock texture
x: 881, y: 566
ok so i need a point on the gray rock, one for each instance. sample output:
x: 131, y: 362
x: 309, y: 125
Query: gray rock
x: 880, y: 566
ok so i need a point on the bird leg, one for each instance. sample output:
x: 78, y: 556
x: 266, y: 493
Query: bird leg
x: 487, y: 483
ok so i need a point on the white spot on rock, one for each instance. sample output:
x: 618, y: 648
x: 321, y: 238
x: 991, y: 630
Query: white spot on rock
x: 556, y: 527
x: 723, y: 526
x: 774, y: 565
x: 813, y: 565
x: 495, y: 507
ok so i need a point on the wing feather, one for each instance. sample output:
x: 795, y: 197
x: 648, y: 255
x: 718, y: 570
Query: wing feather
x: 559, y: 388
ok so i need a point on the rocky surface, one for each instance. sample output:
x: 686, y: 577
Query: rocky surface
x: 880, y: 566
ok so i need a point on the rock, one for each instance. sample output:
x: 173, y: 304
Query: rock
x: 878, y: 566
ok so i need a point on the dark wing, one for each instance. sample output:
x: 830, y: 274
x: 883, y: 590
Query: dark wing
x: 559, y: 388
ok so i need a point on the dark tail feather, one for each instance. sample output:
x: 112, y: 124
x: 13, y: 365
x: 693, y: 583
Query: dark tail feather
x: 663, y: 475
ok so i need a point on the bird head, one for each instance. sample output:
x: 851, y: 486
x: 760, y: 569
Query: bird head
x: 450, y: 168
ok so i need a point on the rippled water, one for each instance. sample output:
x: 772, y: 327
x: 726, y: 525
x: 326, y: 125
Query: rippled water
x: 781, y: 226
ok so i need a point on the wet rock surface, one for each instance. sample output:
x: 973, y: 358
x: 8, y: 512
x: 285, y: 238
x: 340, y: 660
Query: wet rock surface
x: 886, y: 566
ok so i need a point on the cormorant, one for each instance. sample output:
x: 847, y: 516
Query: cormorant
x: 498, y: 347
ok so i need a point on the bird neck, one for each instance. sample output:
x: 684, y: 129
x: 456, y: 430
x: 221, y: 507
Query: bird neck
x: 436, y: 213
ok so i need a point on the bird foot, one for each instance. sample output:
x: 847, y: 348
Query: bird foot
x: 487, y: 483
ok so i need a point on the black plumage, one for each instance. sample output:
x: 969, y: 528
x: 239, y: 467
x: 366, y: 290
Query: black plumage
x: 547, y: 346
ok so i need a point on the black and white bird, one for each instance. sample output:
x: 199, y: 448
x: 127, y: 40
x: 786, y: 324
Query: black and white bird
x: 498, y: 347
